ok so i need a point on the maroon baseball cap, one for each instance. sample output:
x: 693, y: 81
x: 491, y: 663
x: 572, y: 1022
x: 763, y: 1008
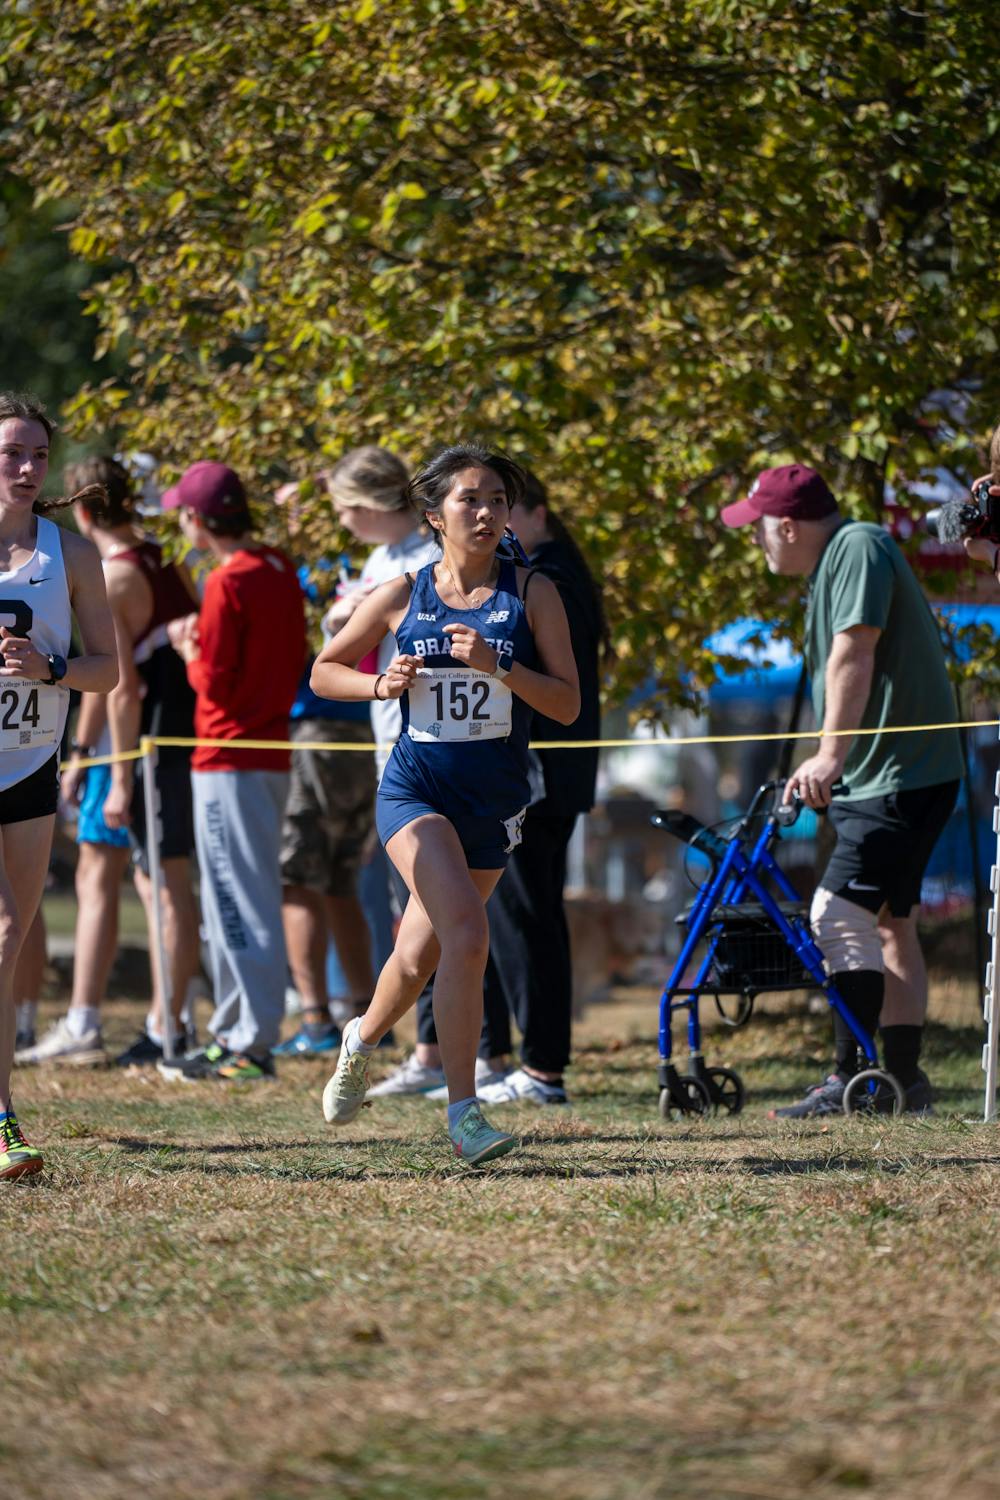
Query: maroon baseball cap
x: 209, y: 488
x: 793, y: 490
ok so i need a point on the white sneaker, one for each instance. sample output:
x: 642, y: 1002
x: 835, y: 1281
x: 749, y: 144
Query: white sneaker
x: 520, y: 1088
x: 59, y: 1045
x: 411, y: 1077
x: 345, y: 1093
x: 484, y: 1075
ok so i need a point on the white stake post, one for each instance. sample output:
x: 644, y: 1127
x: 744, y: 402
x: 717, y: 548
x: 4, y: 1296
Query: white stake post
x: 991, y: 1008
x: 158, y: 950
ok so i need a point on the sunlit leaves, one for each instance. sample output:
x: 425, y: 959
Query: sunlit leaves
x: 651, y: 248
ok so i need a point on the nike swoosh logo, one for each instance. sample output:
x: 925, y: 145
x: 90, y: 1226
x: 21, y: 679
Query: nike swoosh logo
x: 38, y: 580
x: 855, y: 885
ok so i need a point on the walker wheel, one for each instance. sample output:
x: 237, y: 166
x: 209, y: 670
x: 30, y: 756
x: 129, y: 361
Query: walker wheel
x: 690, y: 1097
x: 726, y: 1090
x: 885, y: 1098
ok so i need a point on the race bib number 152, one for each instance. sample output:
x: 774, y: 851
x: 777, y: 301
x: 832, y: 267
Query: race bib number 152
x: 459, y: 704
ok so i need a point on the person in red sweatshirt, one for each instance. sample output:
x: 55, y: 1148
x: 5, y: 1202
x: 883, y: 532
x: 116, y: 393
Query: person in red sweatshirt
x: 245, y: 653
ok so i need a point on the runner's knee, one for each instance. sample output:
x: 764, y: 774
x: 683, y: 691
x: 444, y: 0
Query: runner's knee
x: 846, y: 933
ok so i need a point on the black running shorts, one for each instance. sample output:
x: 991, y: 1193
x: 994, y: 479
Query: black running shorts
x: 884, y: 844
x: 35, y: 797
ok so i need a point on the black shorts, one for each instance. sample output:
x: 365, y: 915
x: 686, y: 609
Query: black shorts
x: 37, y: 796
x: 173, y: 782
x: 884, y: 844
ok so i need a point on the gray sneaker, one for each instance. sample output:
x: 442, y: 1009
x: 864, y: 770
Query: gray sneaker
x: 411, y: 1077
x: 345, y: 1093
x: 826, y: 1098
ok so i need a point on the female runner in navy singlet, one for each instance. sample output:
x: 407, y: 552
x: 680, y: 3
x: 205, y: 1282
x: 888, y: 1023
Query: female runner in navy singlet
x: 482, y: 643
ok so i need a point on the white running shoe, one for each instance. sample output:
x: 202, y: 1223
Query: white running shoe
x: 520, y: 1088
x: 475, y: 1140
x: 60, y: 1045
x: 345, y: 1093
x: 411, y: 1077
x: 484, y: 1075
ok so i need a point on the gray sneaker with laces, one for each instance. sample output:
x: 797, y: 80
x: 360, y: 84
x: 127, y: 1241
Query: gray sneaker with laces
x: 345, y: 1093
x: 475, y: 1140
x: 826, y: 1098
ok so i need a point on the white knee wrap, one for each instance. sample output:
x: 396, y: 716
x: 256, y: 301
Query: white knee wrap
x: 846, y: 932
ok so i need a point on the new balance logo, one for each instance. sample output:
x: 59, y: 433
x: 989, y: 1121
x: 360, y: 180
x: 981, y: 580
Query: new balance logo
x: 497, y: 616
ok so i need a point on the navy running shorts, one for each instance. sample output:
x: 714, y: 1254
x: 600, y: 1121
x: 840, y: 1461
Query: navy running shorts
x: 488, y: 842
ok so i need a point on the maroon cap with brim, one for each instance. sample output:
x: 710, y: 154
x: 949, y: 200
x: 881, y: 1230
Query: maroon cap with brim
x: 793, y: 490
x: 209, y: 488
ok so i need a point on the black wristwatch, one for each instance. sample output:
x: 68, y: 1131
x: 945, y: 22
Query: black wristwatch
x: 57, y: 670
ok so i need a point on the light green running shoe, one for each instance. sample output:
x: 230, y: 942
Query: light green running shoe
x: 17, y: 1158
x: 345, y: 1093
x: 475, y: 1140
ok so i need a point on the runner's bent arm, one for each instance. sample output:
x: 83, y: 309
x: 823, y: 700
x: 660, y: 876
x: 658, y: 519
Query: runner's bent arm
x: 334, y: 673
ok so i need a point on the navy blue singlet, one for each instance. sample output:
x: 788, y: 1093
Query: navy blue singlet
x: 463, y: 750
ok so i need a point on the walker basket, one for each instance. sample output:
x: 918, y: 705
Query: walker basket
x: 750, y: 954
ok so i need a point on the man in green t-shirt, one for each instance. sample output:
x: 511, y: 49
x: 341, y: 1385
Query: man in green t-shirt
x: 877, y: 664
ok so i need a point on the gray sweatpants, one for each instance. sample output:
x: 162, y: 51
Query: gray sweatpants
x: 237, y: 821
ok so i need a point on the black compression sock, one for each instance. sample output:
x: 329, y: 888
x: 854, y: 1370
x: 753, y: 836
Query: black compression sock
x: 862, y: 991
x: 901, y: 1046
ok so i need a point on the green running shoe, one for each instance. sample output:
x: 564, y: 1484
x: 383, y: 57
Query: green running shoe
x: 475, y: 1140
x: 239, y: 1067
x: 192, y: 1067
x: 17, y: 1158
x: 345, y: 1093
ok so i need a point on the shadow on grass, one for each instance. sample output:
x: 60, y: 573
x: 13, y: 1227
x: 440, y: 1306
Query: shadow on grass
x: 411, y: 1163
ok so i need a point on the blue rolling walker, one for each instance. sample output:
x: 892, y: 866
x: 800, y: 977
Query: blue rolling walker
x: 754, y: 942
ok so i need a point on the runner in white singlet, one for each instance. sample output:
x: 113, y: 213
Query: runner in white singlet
x: 46, y: 575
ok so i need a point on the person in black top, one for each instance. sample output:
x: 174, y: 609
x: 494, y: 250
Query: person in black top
x: 529, y: 974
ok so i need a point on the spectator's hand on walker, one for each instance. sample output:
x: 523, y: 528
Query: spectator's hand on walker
x: 398, y: 676
x: 814, y: 779
x: 468, y: 646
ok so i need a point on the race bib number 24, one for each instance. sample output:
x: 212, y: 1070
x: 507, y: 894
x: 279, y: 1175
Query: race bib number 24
x: 29, y: 713
x: 459, y: 704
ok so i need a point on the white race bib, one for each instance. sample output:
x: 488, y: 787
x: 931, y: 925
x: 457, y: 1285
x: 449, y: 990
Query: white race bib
x: 29, y: 713
x: 457, y: 703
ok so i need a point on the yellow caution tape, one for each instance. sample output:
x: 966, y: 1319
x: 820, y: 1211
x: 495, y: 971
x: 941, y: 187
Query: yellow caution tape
x: 181, y: 742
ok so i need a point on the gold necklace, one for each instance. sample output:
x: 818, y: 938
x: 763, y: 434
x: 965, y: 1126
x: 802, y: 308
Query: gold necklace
x: 466, y: 598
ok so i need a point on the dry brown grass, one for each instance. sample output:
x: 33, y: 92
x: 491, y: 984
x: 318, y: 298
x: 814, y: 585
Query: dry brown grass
x: 212, y: 1294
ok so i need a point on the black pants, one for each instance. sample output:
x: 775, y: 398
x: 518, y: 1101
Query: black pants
x: 528, y: 974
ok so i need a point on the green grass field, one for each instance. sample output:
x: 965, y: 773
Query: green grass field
x: 211, y: 1293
